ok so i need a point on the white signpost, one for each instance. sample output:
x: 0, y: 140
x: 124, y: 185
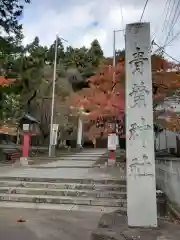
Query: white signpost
x: 80, y: 128
x: 54, y: 134
x: 141, y: 184
x: 112, y: 145
x: 79, y: 133
x: 112, y: 141
x: 26, y: 127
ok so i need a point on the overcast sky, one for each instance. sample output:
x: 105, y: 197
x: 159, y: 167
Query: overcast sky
x: 81, y: 21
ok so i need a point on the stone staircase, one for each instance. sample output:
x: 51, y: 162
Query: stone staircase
x: 69, y: 159
x: 72, y: 182
x: 68, y: 194
x: 62, y: 194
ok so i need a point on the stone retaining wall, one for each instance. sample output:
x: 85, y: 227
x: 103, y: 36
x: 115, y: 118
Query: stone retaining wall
x: 168, y: 178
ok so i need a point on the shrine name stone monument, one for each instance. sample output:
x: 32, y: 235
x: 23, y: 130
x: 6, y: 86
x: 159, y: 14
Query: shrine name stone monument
x: 141, y: 183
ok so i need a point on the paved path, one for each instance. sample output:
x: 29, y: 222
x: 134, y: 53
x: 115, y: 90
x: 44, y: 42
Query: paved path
x: 74, y: 173
x: 86, y: 158
x: 46, y: 225
x: 12, y: 146
x: 59, y: 169
x: 66, y: 163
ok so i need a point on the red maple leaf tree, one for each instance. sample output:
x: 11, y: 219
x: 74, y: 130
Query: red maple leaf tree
x: 6, y: 81
x: 105, y: 96
x: 166, y: 89
x: 102, y: 100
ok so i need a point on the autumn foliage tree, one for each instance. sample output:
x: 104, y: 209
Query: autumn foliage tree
x: 106, y: 92
x: 166, y: 88
x: 5, y: 89
x: 103, y: 100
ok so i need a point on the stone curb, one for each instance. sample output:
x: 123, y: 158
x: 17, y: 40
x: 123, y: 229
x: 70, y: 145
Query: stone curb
x: 50, y: 167
x: 67, y: 186
x: 56, y: 167
x: 121, y: 181
x: 64, y: 192
x: 56, y: 207
x: 63, y: 200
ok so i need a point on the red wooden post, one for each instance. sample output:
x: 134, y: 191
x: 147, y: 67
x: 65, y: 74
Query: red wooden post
x: 112, y: 156
x: 26, y: 145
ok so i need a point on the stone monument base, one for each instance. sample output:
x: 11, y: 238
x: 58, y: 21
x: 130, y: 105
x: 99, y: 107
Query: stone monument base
x: 79, y: 147
x: 111, y: 162
x: 24, y: 161
x: 114, y: 226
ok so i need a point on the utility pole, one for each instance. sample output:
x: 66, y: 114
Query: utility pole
x: 114, y: 65
x: 114, y: 45
x: 51, y: 145
x: 114, y: 48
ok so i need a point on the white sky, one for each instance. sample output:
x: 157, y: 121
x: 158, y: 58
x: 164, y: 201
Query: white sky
x: 81, y: 21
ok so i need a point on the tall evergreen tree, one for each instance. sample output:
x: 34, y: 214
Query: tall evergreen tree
x: 60, y: 51
x: 96, y: 53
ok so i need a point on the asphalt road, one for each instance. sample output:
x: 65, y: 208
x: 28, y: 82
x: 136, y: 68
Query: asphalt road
x: 46, y: 224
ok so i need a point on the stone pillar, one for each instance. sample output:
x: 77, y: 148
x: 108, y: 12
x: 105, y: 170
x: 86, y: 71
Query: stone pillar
x: 141, y: 183
x: 79, y: 133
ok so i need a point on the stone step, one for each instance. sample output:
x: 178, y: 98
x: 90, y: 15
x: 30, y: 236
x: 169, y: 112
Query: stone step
x: 107, y: 156
x: 67, y: 157
x: 73, y: 186
x: 56, y: 166
x: 60, y: 207
x: 77, y: 158
x: 63, y: 200
x: 90, y: 153
x: 64, y: 192
x: 121, y: 181
x: 73, y: 155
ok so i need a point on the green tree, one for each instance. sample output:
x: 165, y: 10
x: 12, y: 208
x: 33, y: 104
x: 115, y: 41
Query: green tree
x: 37, y: 51
x: 41, y: 104
x: 10, y: 30
x: 32, y: 66
x: 10, y: 48
x: 75, y: 57
x: 84, y: 59
x: 96, y: 53
x: 60, y: 51
x: 10, y: 10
